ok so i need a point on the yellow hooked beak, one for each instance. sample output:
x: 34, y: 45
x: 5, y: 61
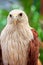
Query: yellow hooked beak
x: 15, y: 19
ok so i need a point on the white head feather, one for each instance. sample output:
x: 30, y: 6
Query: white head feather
x: 15, y: 15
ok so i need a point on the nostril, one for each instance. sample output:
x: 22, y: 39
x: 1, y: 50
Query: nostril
x: 10, y: 15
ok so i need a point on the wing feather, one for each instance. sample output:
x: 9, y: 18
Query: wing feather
x: 33, y: 50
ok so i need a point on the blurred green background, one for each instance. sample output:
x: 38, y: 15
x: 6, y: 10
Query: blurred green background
x: 32, y: 9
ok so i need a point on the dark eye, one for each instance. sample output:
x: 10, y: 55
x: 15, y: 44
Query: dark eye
x: 10, y: 15
x: 20, y: 14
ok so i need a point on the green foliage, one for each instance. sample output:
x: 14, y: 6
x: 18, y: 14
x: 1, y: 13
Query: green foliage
x: 3, y: 15
x: 35, y: 22
x: 37, y: 4
x: 40, y: 33
x: 41, y: 55
x: 26, y: 4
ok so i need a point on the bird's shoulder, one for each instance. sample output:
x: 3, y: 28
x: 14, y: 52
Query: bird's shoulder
x: 35, y: 34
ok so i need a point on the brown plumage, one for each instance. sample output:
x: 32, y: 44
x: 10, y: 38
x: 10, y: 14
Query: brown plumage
x: 1, y: 62
x: 34, y: 50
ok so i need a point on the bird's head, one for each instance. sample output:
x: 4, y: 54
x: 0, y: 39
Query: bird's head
x: 17, y: 16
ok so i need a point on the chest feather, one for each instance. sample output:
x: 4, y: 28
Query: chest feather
x: 15, y: 45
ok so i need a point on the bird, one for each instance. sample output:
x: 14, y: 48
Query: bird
x: 19, y: 41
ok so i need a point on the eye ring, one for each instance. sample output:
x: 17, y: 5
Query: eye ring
x: 10, y: 15
x: 20, y: 14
